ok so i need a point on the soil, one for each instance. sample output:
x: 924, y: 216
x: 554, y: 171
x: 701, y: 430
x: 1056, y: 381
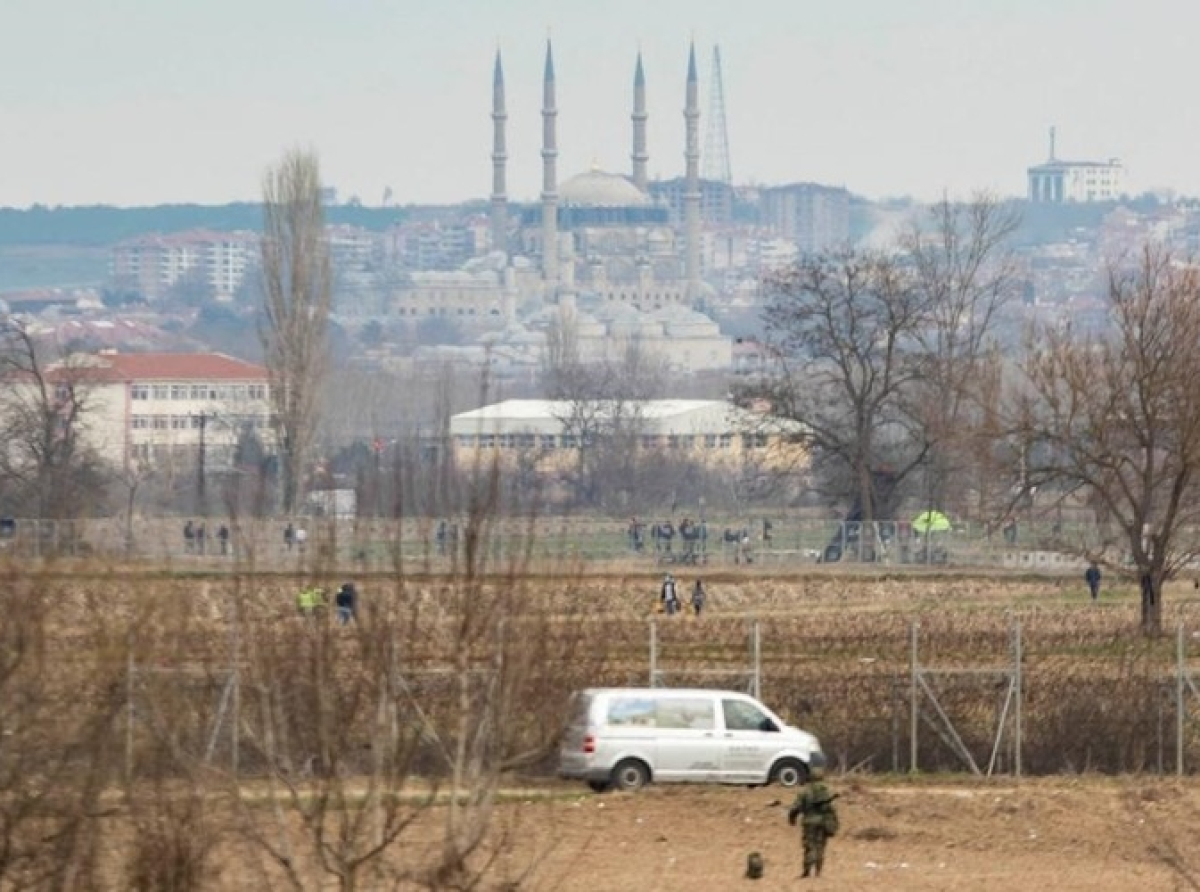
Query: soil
x: 1058, y: 834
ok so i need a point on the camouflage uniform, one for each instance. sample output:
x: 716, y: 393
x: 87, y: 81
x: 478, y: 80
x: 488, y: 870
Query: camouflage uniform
x: 818, y: 821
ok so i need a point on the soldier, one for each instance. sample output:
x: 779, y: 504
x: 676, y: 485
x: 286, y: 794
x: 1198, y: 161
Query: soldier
x: 818, y: 820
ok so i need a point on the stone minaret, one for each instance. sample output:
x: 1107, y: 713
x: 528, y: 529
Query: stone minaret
x: 499, y: 217
x: 639, y: 156
x: 549, y: 175
x: 691, y: 195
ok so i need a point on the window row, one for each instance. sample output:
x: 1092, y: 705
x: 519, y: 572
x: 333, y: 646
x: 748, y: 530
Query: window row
x: 571, y: 441
x: 234, y: 392
x: 195, y: 422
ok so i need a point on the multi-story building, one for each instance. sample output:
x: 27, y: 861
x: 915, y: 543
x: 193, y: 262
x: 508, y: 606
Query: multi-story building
x: 816, y: 218
x: 159, y: 408
x: 152, y: 265
x: 1066, y: 182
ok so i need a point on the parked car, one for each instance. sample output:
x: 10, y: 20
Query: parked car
x: 625, y: 738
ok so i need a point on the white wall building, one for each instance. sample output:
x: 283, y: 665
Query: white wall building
x: 1067, y: 182
x: 159, y: 407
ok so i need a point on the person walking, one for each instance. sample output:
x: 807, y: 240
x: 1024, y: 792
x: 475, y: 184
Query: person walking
x: 223, y: 537
x: 346, y: 601
x: 669, y: 595
x: 289, y: 536
x: 818, y: 818
x: 1092, y: 577
x: 698, y: 596
x: 310, y: 600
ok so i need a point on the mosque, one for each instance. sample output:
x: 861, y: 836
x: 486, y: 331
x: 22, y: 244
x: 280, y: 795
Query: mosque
x: 597, y: 251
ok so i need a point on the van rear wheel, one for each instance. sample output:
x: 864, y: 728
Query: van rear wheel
x: 789, y: 773
x: 630, y: 775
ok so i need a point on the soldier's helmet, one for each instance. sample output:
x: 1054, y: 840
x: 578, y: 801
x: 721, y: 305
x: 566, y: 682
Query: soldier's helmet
x: 754, y: 866
x: 816, y: 773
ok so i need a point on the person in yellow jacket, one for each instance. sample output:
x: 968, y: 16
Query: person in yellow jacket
x: 310, y: 599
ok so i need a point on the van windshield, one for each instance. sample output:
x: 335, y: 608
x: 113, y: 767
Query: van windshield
x: 743, y: 716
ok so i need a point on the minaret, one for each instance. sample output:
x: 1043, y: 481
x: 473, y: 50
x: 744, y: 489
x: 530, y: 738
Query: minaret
x: 691, y: 195
x: 499, y: 218
x: 639, y: 156
x: 1052, y: 135
x: 549, y: 175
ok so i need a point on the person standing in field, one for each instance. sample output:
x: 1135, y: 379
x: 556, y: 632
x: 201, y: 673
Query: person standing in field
x: 818, y: 818
x: 698, y: 596
x: 669, y: 596
x: 346, y: 601
x: 1092, y: 577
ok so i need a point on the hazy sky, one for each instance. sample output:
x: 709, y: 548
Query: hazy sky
x: 150, y: 101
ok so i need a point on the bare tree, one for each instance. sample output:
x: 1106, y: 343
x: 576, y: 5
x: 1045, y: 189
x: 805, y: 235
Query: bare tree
x: 601, y: 407
x: 962, y: 266
x: 297, y: 293
x: 48, y: 462
x: 844, y: 328
x: 1117, y: 416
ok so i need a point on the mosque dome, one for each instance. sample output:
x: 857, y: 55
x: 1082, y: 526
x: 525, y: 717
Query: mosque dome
x: 599, y: 189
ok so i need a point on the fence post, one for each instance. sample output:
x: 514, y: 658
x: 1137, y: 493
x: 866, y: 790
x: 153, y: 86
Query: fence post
x: 756, y: 658
x: 1180, y: 671
x: 653, y: 653
x: 129, y: 670
x: 914, y: 704
x: 1017, y: 659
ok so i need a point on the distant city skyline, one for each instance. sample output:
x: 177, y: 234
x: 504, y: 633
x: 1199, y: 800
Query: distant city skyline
x: 133, y: 102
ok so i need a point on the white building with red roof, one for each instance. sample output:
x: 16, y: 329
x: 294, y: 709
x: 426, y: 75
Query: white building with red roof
x: 161, y: 408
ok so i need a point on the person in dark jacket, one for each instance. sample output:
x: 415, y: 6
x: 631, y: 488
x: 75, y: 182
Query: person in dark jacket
x: 1092, y: 577
x: 346, y: 601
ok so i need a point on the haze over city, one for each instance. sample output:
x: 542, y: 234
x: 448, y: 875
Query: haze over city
x: 132, y: 102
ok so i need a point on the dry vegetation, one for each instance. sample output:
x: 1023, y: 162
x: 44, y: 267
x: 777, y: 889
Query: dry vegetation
x: 168, y: 731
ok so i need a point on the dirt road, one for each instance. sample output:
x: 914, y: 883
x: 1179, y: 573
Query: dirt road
x: 1090, y: 834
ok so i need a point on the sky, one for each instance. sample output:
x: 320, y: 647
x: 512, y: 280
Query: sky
x: 135, y: 102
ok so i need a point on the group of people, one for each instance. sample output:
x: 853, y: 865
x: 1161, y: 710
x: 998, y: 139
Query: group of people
x: 310, y: 601
x: 195, y: 538
x: 669, y: 597
x: 692, y: 534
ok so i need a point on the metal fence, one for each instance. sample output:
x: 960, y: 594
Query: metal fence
x: 369, y: 542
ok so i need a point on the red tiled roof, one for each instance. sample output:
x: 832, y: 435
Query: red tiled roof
x: 177, y: 367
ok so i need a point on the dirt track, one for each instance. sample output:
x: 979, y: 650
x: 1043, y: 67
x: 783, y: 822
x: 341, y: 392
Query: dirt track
x: 1059, y: 834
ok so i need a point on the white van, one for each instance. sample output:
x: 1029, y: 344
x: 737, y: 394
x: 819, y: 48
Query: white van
x: 627, y: 737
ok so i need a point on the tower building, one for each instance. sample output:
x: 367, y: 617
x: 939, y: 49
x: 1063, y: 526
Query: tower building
x: 639, y: 116
x: 549, y: 174
x: 691, y: 198
x: 499, y: 210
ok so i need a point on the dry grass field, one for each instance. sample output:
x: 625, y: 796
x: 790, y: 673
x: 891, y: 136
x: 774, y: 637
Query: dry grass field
x: 1097, y: 808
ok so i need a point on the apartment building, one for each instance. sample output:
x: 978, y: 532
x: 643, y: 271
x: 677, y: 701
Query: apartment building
x: 1066, y: 182
x: 154, y: 264
x: 816, y: 218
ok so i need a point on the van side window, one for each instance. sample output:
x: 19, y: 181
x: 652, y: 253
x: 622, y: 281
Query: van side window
x: 743, y: 716
x: 690, y: 713
x: 631, y: 712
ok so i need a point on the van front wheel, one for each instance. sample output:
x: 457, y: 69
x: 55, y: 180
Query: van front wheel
x: 630, y: 775
x: 789, y: 773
